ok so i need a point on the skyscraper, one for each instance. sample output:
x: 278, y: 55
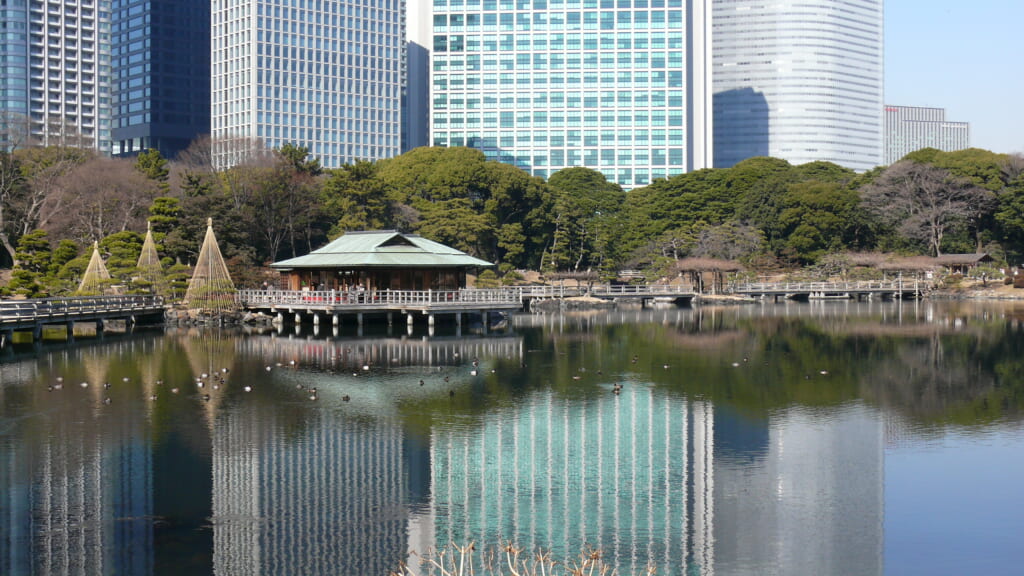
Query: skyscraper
x: 910, y: 128
x: 800, y: 81
x: 549, y: 84
x: 161, y: 71
x: 323, y: 74
x: 55, y: 69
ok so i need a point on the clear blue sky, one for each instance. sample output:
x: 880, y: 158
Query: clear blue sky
x: 966, y: 56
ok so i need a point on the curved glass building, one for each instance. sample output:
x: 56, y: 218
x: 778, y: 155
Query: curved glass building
x: 800, y: 81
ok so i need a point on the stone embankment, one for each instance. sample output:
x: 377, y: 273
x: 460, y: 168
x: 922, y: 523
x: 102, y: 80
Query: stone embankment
x: 177, y: 316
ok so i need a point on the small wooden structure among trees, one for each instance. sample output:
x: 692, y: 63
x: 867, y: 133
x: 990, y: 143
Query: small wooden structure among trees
x: 697, y: 268
x: 378, y: 260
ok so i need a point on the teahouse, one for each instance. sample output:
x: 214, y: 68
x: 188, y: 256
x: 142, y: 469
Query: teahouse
x: 378, y: 260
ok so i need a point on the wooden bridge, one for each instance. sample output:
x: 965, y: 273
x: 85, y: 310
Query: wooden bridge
x: 32, y: 315
x: 317, y: 304
x: 895, y: 290
x: 644, y: 292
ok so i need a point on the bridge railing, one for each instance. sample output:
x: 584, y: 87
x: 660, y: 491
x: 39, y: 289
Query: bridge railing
x: 23, y: 310
x: 860, y: 286
x: 378, y: 298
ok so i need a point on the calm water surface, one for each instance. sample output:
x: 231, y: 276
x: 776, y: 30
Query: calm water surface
x: 822, y: 438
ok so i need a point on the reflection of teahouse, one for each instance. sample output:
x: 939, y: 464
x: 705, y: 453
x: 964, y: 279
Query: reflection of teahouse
x: 379, y: 260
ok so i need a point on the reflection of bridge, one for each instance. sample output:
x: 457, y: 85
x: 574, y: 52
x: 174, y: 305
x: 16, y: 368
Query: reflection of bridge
x: 32, y: 315
x: 896, y: 290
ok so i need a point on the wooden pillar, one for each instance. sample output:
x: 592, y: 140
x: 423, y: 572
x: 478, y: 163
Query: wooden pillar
x: 298, y: 318
x: 99, y: 327
x: 458, y: 319
x: 279, y: 319
x: 483, y: 320
x: 359, y: 319
x: 389, y: 318
x: 316, y: 319
x: 408, y: 319
x: 430, y: 319
x: 336, y: 319
x: 70, y: 327
x: 37, y: 332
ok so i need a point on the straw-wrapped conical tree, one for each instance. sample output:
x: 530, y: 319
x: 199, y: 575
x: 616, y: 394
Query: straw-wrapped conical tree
x: 96, y: 279
x: 211, y: 288
x: 150, y: 272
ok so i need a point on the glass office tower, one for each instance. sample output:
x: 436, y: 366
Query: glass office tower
x: 549, y: 84
x: 800, y: 81
x: 324, y: 74
x: 55, y: 70
x: 13, y: 66
x: 161, y: 65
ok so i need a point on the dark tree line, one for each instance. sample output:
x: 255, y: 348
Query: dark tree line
x: 55, y: 201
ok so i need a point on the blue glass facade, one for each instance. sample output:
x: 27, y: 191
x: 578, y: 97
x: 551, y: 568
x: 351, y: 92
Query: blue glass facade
x: 550, y: 84
x: 13, y: 57
x: 161, y: 65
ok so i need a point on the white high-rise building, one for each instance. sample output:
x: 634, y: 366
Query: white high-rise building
x: 324, y: 74
x: 56, y: 70
x: 619, y: 86
x: 801, y: 81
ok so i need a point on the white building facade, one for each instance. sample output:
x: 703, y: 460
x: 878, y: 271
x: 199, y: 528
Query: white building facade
x: 324, y: 74
x: 910, y: 128
x: 550, y: 84
x: 801, y: 81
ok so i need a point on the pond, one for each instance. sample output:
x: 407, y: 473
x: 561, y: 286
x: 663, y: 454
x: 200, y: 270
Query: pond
x: 790, y: 438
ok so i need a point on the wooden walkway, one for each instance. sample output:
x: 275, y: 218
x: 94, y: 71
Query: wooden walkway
x: 896, y: 290
x: 641, y: 292
x: 32, y: 315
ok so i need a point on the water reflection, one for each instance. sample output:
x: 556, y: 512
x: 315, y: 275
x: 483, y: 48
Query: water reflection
x: 744, y: 440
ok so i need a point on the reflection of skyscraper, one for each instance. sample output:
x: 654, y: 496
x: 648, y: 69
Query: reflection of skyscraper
x: 813, y: 502
x: 632, y: 475
x: 328, y: 500
x: 89, y: 507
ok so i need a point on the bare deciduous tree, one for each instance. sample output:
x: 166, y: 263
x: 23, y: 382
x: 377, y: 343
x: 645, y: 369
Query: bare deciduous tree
x: 924, y: 202
x: 102, y: 196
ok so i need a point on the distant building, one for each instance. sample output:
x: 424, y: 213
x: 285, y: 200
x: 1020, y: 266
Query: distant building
x: 161, y: 74
x: 327, y: 76
x: 802, y: 82
x: 911, y: 128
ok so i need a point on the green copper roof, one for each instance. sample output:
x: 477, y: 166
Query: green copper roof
x: 385, y: 248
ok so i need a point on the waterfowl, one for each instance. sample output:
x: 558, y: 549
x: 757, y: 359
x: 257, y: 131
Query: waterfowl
x: 345, y: 398
x: 247, y: 388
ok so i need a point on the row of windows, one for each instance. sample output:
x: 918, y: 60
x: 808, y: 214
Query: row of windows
x: 553, y: 4
x: 547, y: 43
x: 589, y: 157
x: 574, y: 138
x: 303, y: 27
x: 557, y: 119
x: 545, y: 61
x: 548, y: 100
x: 524, y: 22
x: 635, y: 79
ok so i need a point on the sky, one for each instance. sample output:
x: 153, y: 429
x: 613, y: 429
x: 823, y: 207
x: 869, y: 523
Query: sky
x: 966, y: 56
